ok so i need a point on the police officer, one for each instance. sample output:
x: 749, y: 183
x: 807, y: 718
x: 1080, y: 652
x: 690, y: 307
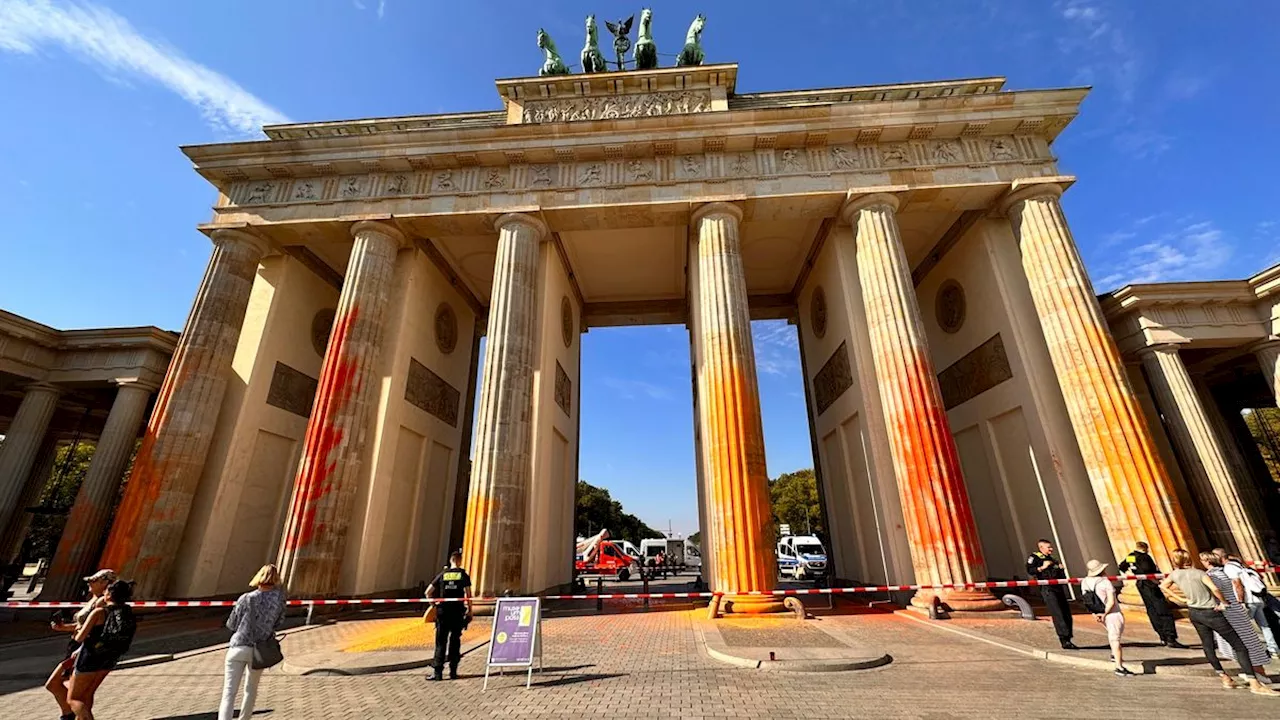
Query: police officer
x: 1139, y: 562
x: 451, y: 617
x: 1042, y: 565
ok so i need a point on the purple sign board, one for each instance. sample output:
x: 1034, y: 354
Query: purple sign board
x: 515, y: 632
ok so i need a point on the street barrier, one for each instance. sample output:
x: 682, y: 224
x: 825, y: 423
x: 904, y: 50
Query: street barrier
x: 599, y: 596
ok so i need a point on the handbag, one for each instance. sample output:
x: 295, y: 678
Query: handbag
x: 429, y: 616
x: 267, y: 653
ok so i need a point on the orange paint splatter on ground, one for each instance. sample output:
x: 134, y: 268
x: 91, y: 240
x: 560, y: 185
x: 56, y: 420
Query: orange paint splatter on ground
x: 315, y: 480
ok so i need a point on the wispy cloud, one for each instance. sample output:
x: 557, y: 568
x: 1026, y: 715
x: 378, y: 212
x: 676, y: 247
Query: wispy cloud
x: 635, y: 389
x: 777, y: 352
x: 382, y: 7
x: 110, y: 44
x: 1102, y: 48
x: 1184, y: 248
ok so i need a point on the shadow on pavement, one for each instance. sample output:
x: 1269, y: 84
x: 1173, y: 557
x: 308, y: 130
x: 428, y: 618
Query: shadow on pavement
x: 575, y: 679
x: 207, y: 715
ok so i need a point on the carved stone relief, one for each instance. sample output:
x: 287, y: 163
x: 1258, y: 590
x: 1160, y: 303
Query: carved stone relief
x: 292, y: 390
x: 818, y: 312
x: 832, y: 380
x: 446, y: 323
x: 566, y: 321
x: 613, y: 107
x: 949, y: 306
x: 564, y: 390
x: 985, y: 367
x: 321, y: 326
x: 430, y: 393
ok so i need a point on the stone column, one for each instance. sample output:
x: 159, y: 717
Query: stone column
x: 945, y: 547
x: 20, y: 520
x: 493, y: 545
x: 324, y: 493
x: 1133, y: 490
x: 152, y: 516
x: 730, y: 428
x: 22, y: 444
x: 1204, y: 459
x: 1268, y: 354
x: 82, y: 538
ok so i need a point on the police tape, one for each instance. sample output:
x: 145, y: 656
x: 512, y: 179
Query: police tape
x: 859, y: 589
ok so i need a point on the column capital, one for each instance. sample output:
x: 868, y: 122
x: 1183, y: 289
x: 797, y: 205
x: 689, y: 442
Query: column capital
x: 383, y: 228
x: 539, y: 227
x: 854, y: 204
x: 41, y: 386
x: 1271, y: 343
x: 1030, y: 189
x: 715, y: 208
x: 1162, y: 348
x: 140, y: 384
x: 242, y: 237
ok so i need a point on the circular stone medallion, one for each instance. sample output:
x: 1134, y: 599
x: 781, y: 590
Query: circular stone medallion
x: 446, y: 328
x: 950, y: 306
x: 566, y: 321
x: 321, y: 326
x: 818, y: 312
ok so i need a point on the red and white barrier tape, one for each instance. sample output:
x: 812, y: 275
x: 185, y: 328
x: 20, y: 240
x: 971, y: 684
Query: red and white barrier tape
x: 988, y: 585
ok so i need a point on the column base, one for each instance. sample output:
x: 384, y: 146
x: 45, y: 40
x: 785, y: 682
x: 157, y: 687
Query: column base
x: 751, y: 604
x: 958, y: 600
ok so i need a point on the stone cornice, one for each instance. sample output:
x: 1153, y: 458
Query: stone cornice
x: 1266, y: 283
x: 1146, y: 295
x: 1036, y: 114
x: 19, y: 327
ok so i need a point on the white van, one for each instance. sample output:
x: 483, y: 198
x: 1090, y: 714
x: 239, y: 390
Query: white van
x: 801, y: 557
x: 681, y: 554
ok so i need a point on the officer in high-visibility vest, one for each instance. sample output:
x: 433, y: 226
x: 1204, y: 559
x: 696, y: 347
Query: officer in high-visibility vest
x: 451, y: 617
x: 1042, y: 565
x: 1139, y: 562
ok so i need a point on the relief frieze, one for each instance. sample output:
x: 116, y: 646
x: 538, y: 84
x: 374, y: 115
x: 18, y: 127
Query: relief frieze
x: 431, y: 393
x: 292, y: 390
x: 615, y: 107
x: 835, y: 377
x: 983, y: 368
x: 849, y: 158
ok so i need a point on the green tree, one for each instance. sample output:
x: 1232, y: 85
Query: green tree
x: 1264, y: 425
x: 794, y: 497
x: 71, y: 464
x: 696, y: 538
x: 596, y: 510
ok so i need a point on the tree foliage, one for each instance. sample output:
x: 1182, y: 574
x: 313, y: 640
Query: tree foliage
x: 1264, y: 425
x: 794, y: 497
x: 597, y: 510
x: 71, y: 464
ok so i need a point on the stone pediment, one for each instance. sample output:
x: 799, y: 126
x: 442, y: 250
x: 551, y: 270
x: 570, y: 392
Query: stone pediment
x: 617, y: 95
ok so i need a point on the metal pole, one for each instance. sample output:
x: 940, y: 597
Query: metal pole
x: 599, y: 592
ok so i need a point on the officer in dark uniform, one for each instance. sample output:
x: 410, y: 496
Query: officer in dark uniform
x: 1139, y: 562
x: 1042, y: 565
x: 451, y: 617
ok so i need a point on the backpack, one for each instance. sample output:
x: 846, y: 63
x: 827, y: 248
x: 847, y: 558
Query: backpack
x: 1092, y: 602
x: 118, y: 629
x: 1252, y: 582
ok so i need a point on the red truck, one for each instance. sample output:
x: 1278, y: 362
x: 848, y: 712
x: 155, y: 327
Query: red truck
x: 599, y: 556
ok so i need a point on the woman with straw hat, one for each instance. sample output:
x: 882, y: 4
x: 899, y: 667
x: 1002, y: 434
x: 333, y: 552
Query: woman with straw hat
x: 1106, y: 610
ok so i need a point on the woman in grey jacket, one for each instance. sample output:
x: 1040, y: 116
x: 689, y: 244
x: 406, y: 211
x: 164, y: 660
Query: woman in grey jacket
x: 255, y: 618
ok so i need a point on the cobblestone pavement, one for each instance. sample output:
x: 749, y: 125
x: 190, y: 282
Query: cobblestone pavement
x: 650, y: 665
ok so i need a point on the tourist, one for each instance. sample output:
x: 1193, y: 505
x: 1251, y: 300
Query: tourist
x: 1251, y: 590
x: 1140, y: 562
x: 1235, y: 611
x: 1205, y: 604
x: 57, y: 682
x: 254, y: 619
x: 453, y: 616
x: 104, y: 638
x: 1042, y: 565
x: 1107, y: 612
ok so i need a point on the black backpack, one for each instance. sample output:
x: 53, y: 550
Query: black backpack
x: 1092, y: 602
x: 118, y: 629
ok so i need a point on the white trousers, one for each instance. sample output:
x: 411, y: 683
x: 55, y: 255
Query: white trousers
x: 1260, y: 618
x: 239, y: 660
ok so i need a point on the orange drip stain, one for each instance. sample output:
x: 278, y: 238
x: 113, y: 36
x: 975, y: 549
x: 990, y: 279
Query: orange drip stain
x: 315, y: 480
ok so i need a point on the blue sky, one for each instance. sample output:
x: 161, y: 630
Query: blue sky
x: 1174, y: 148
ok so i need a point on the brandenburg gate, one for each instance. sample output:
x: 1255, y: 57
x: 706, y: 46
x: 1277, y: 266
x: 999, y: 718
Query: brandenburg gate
x: 965, y: 393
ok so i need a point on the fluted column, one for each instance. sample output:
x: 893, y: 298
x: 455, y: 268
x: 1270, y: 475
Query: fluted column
x: 1205, y: 463
x: 1268, y: 354
x: 22, y: 444
x: 493, y: 546
x: 78, y: 547
x: 1132, y: 488
x: 152, y: 516
x: 730, y: 428
x: 324, y: 493
x: 20, y: 520
x: 945, y: 546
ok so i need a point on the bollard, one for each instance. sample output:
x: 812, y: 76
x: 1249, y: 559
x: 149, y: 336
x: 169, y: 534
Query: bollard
x: 1021, y: 603
x: 599, y: 592
x: 646, y: 592
x: 311, y: 609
